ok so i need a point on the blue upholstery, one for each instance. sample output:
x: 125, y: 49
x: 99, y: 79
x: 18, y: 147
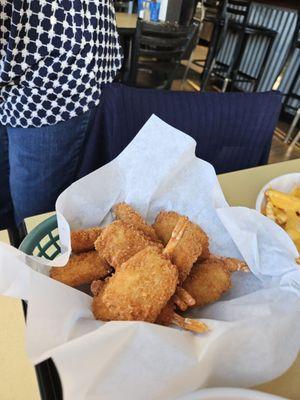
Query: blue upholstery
x: 233, y: 130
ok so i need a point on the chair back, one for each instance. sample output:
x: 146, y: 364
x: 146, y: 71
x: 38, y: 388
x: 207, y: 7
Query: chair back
x: 188, y: 10
x: 214, y: 10
x: 214, y: 13
x: 233, y: 131
x: 238, y: 10
x: 121, y: 6
x: 160, y: 47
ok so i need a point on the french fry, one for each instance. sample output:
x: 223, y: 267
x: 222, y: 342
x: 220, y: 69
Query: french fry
x: 297, y: 243
x: 280, y: 215
x: 295, y: 192
x: 270, y: 211
x: 284, y: 209
x: 293, y: 222
x: 283, y: 201
x: 293, y: 234
x: 292, y: 228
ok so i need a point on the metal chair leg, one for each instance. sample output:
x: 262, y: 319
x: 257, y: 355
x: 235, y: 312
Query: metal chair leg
x: 188, y: 67
x: 294, y: 141
x: 293, y: 126
x: 225, y: 84
x: 16, y: 234
x: 206, y: 75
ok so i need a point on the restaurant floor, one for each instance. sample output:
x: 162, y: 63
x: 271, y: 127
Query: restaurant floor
x: 279, y: 150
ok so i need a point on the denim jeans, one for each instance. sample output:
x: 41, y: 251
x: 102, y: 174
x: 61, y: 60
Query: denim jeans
x: 37, y: 164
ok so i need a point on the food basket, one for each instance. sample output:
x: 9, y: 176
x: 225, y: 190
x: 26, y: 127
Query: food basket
x: 43, y: 240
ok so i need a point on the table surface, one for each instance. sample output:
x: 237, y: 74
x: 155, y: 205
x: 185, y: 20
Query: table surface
x: 126, y: 21
x: 17, y: 377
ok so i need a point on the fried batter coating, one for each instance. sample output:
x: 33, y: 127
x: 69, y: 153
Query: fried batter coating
x: 191, y: 246
x: 119, y: 241
x: 182, y: 299
x: 166, y: 315
x: 81, y: 269
x: 138, y: 290
x: 83, y: 240
x: 210, y: 279
x: 126, y: 213
x: 232, y: 264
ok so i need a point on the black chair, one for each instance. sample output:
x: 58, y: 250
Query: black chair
x: 157, y: 51
x: 292, y: 91
x: 291, y: 94
x: 213, y: 14
x: 122, y: 6
x: 291, y: 74
x: 187, y: 12
x: 238, y: 21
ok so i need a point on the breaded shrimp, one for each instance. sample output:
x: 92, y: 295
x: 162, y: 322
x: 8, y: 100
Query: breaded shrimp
x: 126, y: 213
x: 81, y: 269
x: 138, y: 290
x: 119, y: 241
x: 183, y: 299
x: 232, y: 264
x: 210, y: 279
x: 189, y: 248
x: 169, y: 317
x: 83, y: 239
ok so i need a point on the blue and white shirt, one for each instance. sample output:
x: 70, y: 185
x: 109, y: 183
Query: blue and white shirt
x: 54, y: 56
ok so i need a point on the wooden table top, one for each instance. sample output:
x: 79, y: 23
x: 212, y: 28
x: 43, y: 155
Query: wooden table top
x: 17, y: 377
x: 126, y: 23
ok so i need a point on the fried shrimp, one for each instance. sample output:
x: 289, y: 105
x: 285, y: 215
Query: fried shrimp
x: 191, y: 246
x: 210, y: 279
x: 83, y: 240
x: 182, y: 299
x: 128, y: 214
x: 142, y: 287
x: 119, y: 241
x: 169, y: 317
x: 81, y: 269
x: 138, y: 290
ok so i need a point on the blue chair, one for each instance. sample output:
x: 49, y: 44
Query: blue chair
x: 233, y: 131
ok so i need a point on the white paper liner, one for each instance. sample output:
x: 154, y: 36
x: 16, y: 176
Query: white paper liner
x: 254, y: 331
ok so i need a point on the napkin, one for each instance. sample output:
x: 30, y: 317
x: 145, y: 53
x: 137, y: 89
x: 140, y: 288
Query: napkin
x: 254, y: 330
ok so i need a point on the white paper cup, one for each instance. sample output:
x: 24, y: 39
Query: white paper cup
x: 229, y: 394
x: 284, y: 183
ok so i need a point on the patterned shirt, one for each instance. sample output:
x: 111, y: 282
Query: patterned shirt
x: 54, y: 56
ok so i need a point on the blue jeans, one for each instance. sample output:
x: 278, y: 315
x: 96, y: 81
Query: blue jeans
x: 37, y: 164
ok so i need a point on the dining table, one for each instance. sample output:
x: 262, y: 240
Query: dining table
x: 126, y: 23
x: 17, y: 375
